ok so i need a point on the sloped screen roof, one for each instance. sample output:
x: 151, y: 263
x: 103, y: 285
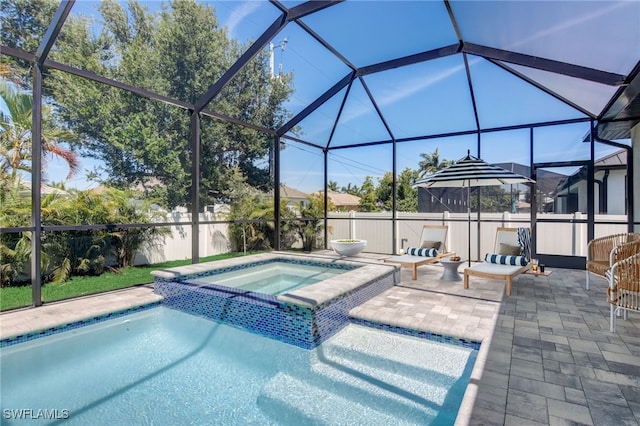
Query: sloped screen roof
x: 367, y: 72
x: 429, y: 68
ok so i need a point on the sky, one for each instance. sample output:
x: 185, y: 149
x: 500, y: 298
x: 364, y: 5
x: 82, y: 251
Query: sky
x: 431, y: 97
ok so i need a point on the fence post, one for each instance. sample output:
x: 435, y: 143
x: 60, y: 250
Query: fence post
x: 352, y: 225
x: 398, y: 241
x: 506, y: 219
x: 578, y: 235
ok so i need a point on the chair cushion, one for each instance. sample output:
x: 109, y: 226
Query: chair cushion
x: 505, y: 260
x: 425, y: 252
x: 493, y: 268
x: 599, y: 267
x: 431, y: 244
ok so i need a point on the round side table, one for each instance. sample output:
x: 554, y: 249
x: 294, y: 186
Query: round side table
x: 451, y: 269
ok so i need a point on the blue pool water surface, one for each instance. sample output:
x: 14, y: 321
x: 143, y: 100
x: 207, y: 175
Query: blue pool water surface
x: 273, y: 278
x: 166, y: 367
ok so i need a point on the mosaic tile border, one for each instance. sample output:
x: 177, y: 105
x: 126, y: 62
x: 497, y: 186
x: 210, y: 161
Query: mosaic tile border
x: 434, y: 337
x: 239, y: 267
x: 21, y: 338
x: 300, y: 325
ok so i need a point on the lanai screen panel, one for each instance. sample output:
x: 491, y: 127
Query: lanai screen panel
x: 504, y: 99
x: 427, y: 98
x: 370, y: 32
x: 594, y: 34
x: 585, y: 94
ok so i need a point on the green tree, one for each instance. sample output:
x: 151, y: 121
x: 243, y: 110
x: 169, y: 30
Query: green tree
x: 368, y: 199
x: 24, y: 22
x: 431, y: 163
x: 128, y: 207
x: 15, y: 248
x: 15, y: 137
x: 407, y: 195
x: 310, y: 224
x: 493, y: 199
x: 384, y: 191
x: 351, y: 189
x: 333, y: 186
x: 252, y: 214
x: 178, y: 52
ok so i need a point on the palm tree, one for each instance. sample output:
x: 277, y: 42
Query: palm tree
x: 15, y: 136
x: 431, y: 163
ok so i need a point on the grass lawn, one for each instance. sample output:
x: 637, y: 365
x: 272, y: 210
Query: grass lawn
x: 13, y: 297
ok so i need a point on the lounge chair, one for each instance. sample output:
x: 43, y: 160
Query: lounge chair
x: 433, y: 236
x: 623, y: 293
x: 506, y: 251
x: 603, y: 252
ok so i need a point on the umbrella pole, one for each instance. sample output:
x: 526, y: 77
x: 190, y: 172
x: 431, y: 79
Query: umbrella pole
x: 469, y: 221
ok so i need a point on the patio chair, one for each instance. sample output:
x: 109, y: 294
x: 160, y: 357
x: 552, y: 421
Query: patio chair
x: 623, y: 293
x: 433, y: 243
x: 507, y: 261
x: 602, y: 254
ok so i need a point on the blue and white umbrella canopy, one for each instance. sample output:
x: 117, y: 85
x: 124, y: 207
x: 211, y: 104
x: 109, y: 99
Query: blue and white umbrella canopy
x: 467, y: 172
x: 471, y: 171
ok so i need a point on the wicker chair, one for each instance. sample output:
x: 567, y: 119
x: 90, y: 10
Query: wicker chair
x: 624, y: 288
x: 601, y: 253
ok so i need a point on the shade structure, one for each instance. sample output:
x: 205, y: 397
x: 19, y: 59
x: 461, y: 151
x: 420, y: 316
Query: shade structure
x: 471, y: 171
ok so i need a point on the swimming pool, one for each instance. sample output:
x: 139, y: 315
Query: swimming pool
x: 304, y: 316
x: 162, y: 366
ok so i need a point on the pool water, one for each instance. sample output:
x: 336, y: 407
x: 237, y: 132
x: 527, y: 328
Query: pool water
x: 273, y: 278
x: 163, y: 366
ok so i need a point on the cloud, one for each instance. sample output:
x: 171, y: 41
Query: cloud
x: 239, y: 14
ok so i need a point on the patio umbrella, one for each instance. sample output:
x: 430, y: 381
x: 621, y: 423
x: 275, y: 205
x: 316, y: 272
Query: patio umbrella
x: 468, y: 172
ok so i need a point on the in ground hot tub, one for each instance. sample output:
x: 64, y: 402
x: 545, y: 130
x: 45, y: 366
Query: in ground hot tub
x: 299, y: 312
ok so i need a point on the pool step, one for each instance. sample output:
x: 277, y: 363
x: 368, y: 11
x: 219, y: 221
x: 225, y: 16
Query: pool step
x: 294, y: 401
x: 386, y: 374
x: 401, y: 355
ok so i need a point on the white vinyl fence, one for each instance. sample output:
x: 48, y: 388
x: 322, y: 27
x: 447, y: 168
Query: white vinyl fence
x: 565, y: 238
x: 214, y: 239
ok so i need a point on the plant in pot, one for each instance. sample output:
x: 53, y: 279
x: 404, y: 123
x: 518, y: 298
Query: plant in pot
x: 348, y: 246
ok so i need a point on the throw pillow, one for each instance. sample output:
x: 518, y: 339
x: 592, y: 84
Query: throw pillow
x: 509, y: 250
x: 431, y: 244
x: 505, y: 260
x: 415, y: 251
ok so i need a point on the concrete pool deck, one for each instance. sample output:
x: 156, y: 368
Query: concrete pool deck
x: 547, y: 355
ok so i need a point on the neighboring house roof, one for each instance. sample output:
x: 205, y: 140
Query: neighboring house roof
x: 340, y: 199
x: 292, y: 193
x: 615, y: 160
x: 618, y: 158
x: 25, y: 189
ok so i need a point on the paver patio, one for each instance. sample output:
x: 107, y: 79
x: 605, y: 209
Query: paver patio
x: 547, y: 355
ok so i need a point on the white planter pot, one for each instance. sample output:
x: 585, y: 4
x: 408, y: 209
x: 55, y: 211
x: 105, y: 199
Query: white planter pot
x: 348, y: 247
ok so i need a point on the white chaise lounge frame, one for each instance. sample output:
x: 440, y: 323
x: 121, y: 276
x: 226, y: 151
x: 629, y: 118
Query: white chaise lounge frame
x: 429, y: 233
x: 496, y: 271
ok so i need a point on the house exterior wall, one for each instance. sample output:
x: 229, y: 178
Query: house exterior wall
x: 616, y: 192
x: 635, y: 141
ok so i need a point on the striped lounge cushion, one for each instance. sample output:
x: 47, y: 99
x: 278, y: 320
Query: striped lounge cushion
x: 505, y: 260
x: 426, y: 252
